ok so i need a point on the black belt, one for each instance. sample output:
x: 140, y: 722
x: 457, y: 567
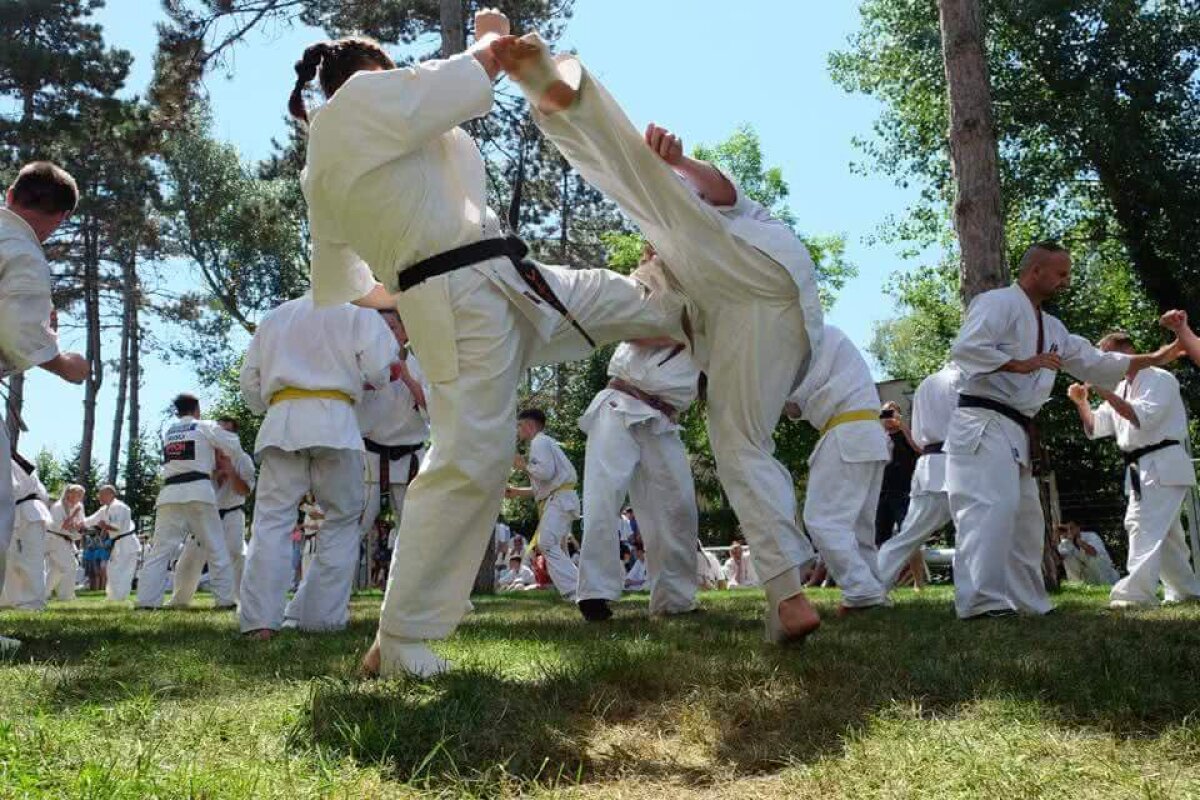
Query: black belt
x: 224, y: 511
x: 510, y: 247
x: 1132, y: 458
x: 116, y: 539
x: 973, y: 401
x: 933, y: 449
x: 391, y: 452
x: 27, y: 498
x: 187, y: 477
x: 62, y: 536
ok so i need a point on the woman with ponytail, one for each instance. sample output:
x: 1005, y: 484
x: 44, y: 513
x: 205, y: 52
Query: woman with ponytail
x: 396, y: 194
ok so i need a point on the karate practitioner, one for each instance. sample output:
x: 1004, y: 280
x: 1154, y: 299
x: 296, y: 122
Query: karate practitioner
x: 1009, y: 352
x: 25, y: 578
x: 37, y: 202
x: 636, y: 577
x: 634, y: 448
x: 1084, y: 556
x: 1147, y: 417
x: 232, y: 483
x: 838, y: 398
x: 738, y: 569
x: 709, y: 574
x: 115, y: 521
x: 929, y: 505
x: 63, y: 535
x: 553, y: 480
x: 751, y: 280
x: 392, y: 182
x: 517, y: 578
x: 187, y: 505
x: 305, y: 369
x: 393, y: 424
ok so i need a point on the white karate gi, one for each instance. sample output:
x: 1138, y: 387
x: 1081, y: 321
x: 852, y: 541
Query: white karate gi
x: 553, y: 478
x: 26, y: 338
x: 845, y: 471
x: 1096, y: 570
x: 501, y: 537
x: 25, y: 578
x: 232, y: 513
x: 314, y: 518
x: 1157, y: 544
x: 309, y: 444
x: 510, y: 581
x: 126, y: 548
x: 390, y: 180
x: 190, y: 508
x: 740, y: 573
x: 758, y: 311
x: 929, y: 505
x: 635, y: 449
x: 61, y: 544
x: 635, y: 579
x: 389, y: 416
x: 708, y: 570
x: 993, y: 495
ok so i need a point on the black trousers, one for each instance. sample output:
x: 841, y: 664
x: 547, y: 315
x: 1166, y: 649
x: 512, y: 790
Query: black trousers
x: 889, y: 516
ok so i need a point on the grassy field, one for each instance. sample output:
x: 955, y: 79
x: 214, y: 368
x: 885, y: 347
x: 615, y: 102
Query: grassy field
x: 106, y: 703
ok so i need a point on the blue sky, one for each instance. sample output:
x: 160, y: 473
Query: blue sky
x: 701, y: 68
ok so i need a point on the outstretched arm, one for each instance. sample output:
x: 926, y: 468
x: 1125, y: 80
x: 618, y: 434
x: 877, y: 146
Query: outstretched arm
x: 708, y: 181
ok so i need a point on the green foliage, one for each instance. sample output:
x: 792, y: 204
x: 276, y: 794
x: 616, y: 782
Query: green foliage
x: 51, y: 472
x: 142, y: 459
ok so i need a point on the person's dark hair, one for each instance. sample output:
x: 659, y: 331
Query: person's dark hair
x: 45, y: 187
x: 230, y: 421
x: 534, y: 414
x: 186, y: 405
x: 336, y: 61
x: 1044, y: 246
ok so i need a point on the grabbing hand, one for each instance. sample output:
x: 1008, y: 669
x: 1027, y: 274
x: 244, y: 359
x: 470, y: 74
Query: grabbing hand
x: 71, y: 367
x: 1078, y: 392
x: 665, y: 144
x: 491, y: 21
x: 1050, y: 361
x: 1174, y: 320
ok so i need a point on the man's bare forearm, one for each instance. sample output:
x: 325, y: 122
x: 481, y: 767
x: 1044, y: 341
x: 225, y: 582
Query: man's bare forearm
x: 709, y: 181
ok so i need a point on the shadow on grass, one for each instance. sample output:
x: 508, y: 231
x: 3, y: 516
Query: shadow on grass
x: 699, y: 698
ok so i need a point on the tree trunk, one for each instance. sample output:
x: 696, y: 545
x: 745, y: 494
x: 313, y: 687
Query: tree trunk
x: 978, y: 213
x: 114, y: 450
x: 16, y: 400
x: 91, y: 299
x: 454, y: 29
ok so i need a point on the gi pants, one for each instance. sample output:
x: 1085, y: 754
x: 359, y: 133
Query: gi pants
x: 839, y: 513
x: 928, y: 513
x: 25, y: 572
x: 322, y: 602
x: 122, y: 564
x: 8, y: 507
x: 555, y: 518
x: 653, y: 469
x: 1158, y: 548
x: 190, y: 565
x: 451, y: 506
x: 751, y: 329
x: 61, y: 569
x: 1000, y: 529
x: 173, y: 523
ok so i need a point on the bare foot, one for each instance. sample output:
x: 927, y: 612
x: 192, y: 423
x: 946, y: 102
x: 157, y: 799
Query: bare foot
x: 527, y: 61
x: 369, y: 667
x: 797, y: 618
x: 261, y: 635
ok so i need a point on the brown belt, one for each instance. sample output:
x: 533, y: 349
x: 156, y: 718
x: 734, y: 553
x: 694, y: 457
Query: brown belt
x: 657, y: 403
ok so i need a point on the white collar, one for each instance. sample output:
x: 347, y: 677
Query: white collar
x: 8, y: 213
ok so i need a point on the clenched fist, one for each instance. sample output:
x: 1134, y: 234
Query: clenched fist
x: 490, y: 21
x: 667, y: 145
x: 1078, y: 393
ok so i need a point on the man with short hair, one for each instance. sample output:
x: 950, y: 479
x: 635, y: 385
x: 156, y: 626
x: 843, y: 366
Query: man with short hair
x: 305, y: 369
x: 37, y: 202
x: 115, y: 521
x: 187, y: 503
x: 516, y: 578
x: 1084, y: 556
x: 1147, y: 417
x: 232, y: 481
x: 1010, y: 351
x: 553, y: 479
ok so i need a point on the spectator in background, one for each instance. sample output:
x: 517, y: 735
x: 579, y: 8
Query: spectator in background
x: 738, y: 570
x: 541, y: 571
x: 629, y: 527
x: 1084, y: 556
x: 516, y: 578
x: 708, y: 569
x: 897, y: 475
x: 635, y: 576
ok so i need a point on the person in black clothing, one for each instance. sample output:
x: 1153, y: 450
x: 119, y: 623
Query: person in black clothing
x: 897, y: 475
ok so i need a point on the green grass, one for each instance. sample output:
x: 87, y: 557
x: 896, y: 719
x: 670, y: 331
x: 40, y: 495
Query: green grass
x: 106, y: 703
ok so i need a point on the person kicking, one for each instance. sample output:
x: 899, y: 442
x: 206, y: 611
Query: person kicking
x: 187, y: 504
x: 634, y: 448
x: 749, y: 279
x: 839, y: 399
x: 305, y: 371
x: 1146, y: 415
x: 553, y: 477
x: 232, y: 481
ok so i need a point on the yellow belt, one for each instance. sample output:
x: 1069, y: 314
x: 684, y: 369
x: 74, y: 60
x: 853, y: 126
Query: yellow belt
x: 866, y: 415
x: 541, y: 506
x: 293, y: 393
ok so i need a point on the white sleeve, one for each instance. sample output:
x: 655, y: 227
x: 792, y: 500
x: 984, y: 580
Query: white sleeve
x: 245, y: 469
x: 223, y: 440
x: 1104, y: 422
x: 975, y: 351
x: 250, y: 379
x: 414, y: 105
x: 337, y: 273
x: 377, y: 348
x: 1081, y: 359
x: 94, y: 519
x: 1152, y: 400
x: 26, y: 338
x: 540, y: 464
